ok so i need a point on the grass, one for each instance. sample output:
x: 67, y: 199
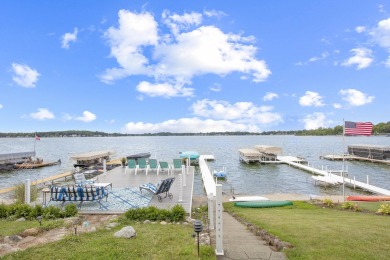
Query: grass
x: 153, y: 241
x: 11, y: 227
x: 323, y: 233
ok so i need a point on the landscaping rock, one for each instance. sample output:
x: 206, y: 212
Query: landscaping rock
x: 12, y: 239
x: 92, y: 229
x: 26, y: 240
x: 20, y: 219
x: 190, y: 220
x: 147, y: 221
x: 126, y: 232
x: 163, y: 223
x: 30, y: 232
x: 112, y: 224
x: 185, y: 223
x: 5, y: 247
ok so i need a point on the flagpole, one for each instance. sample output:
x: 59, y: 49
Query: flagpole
x: 35, y: 140
x: 342, y: 169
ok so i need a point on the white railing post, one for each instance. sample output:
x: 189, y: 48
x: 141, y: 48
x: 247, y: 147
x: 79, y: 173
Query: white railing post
x: 27, y: 193
x: 219, y: 221
x: 183, y: 172
x: 105, y: 167
x: 180, y: 188
x: 210, y: 200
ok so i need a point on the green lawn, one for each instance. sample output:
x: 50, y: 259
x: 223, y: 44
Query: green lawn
x: 11, y: 227
x: 323, y: 233
x: 153, y: 241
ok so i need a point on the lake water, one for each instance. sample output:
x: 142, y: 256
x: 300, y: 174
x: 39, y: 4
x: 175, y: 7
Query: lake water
x: 242, y: 178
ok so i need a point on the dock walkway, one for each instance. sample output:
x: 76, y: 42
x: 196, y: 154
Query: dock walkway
x: 338, y: 178
x: 207, y: 177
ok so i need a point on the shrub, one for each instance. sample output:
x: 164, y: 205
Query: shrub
x: 350, y: 205
x: 37, y: 211
x: 177, y: 213
x: 384, y: 209
x: 48, y: 225
x: 20, y: 192
x: 329, y: 203
x: 70, y: 210
x: 3, y: 210
x: 23, y: 211
x: 51, y: 212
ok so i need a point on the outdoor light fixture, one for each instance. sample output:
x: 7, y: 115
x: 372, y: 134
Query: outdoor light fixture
x: 75, y: 223
x: 198, y: 227
x: 39, y: 218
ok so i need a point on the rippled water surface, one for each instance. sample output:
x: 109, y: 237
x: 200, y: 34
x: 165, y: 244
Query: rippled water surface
x: 242, y: 178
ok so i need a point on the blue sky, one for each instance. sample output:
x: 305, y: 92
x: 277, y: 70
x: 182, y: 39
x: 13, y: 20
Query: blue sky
x: 192, y: 66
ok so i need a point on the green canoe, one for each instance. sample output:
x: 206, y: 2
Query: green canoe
x: 263, y: 204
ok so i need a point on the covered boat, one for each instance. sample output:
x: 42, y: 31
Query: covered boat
x: 138, y: 156
x: 91, y: 158
x: 192, y: 155
x: 249, y: 155
x: 220, y: 174
x: 263, y: 204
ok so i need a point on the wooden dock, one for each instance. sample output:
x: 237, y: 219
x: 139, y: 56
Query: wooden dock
x: 207, y: 177
x: 44, y: 180
x: 338, y: 178
x: 332, y: 157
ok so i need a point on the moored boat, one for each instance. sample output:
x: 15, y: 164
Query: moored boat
x: 92, y: 158
x: 222, y: 174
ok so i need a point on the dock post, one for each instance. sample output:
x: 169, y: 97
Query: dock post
x: 27, y: 193
x: 219, y: 221
x: 210, y: 200
x: 367, y: 179
x: 180, y: 188
x: 183, y: 173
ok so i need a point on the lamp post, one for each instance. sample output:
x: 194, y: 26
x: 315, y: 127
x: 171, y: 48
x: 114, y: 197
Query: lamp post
x: 198, y: 226
x: 75, y: 223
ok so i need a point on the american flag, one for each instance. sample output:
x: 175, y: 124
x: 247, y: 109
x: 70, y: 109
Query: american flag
x: 357, y: 128
x: 37, y: 138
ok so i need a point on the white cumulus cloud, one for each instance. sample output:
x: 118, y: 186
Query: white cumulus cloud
x: 189, y: 50
x: 311, y: 99
x: 69, y: 37
x: 269, y: 96
x: 360, y: 29
x: 1, y: 106
x: 86, y: 117
x: 381, y: 33
x: 337, y: 106
x: 42, y: 114
x: 164, y: 90
x: 24, y: 75
x: 315, y: 121
x: 188, y: 125
x: 216, y: 87
x: 240, y: 111
x: 362, y: 58
x: 355, y: 97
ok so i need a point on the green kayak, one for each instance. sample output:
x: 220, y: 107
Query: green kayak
x: 263, y: 204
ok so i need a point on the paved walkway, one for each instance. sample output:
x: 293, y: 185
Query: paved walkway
x: 240, y: 243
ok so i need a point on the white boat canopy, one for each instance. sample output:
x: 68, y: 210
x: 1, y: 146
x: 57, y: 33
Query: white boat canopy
x: 92, y: 155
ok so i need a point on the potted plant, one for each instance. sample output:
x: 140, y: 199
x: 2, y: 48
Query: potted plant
x: 123, y: 160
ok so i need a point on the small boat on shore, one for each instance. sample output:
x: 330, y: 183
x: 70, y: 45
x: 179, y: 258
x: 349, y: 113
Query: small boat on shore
x: 368, y: 198
x: 35, y: 164
x: 263, y: 204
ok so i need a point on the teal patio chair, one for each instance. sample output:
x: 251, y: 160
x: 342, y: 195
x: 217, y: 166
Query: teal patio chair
x: 152, y: 166
x: 131, y: 165
x: 141, y: 165
x: 164, y: 166
x: 177, y: 165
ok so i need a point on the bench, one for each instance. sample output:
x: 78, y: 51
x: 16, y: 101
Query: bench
x: 74, y: 193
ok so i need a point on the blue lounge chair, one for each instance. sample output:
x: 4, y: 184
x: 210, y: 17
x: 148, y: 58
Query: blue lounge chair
x: 164, y: 166
x: 162, y: 187
x: 131, y: 165
x: 152, y: 166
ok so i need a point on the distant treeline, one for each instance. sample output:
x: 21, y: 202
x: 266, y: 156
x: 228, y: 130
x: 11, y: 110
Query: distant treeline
x: 379, y: 129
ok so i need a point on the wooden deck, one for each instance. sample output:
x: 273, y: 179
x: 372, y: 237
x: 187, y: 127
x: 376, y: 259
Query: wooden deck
x: 333, y: 157
x: 122, y: 179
